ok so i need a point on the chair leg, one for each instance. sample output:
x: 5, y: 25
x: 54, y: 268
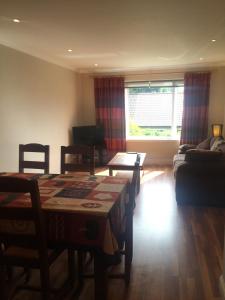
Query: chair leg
x: 80, y: 256
x: 27, y: 272
x: 127, y: 273
x: 100, y: 277
x: 45, y: 283
x: 128, y: 247
x: 71, y: 266
x: 10, y: 273
x: 128, y: 261
x: 3, y: 294
x: 89, y: 259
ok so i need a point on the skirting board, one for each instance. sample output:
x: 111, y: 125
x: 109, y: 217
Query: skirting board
x: 222, y: 286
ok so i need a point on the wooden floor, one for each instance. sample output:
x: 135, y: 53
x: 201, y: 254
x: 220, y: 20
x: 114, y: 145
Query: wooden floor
x: 177, y: 250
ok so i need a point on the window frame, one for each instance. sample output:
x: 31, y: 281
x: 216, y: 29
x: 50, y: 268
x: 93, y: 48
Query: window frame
x: 154, y: 83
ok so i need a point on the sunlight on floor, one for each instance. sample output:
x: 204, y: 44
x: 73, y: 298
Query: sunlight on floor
x: 148, y: 175
x: 157, y: 210
x: 103, y: 172
x: 106, y: 172
x: 157, y: 214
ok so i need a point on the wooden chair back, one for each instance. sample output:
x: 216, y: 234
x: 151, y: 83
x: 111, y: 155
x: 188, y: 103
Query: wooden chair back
x: 128, y: 251
x: 23, y: 227
x: 81, y: 159
x: 134, y: 185
x: 27, y: 164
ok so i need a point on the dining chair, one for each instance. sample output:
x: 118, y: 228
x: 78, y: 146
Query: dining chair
x: 77, y: 158
x: 23, y: 237
x: 28, y: 164
x: 127, y: 237
x: 129, y: 174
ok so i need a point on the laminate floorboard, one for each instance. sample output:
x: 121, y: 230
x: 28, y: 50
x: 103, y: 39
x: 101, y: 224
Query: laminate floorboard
x: 178, y: 251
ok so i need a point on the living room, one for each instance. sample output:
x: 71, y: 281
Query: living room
x: 50, y: 58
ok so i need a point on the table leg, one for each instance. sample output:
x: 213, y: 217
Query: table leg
x: 100, y: 277
x: 110, y: 171
x: 128, y: 245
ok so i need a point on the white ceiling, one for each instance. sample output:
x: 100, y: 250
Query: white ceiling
x: 117, y: 34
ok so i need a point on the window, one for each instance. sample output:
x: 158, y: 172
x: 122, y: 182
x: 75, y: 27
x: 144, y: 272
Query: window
x: 154, y: 109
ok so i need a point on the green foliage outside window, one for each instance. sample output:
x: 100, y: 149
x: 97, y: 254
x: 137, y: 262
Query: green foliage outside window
x: 150, y: 90
x: 136, y: 130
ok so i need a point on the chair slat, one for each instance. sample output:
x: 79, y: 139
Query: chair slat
x: 34, y: 147
x: 81, y: 160
x: 22, y: 227
x: 23, y: 234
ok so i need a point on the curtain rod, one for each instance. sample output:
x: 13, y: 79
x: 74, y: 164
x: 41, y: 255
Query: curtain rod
x: 149, y: 73
x: 136, y: 74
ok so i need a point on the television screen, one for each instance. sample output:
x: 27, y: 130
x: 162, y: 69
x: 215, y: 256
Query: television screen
x: 88, y: 135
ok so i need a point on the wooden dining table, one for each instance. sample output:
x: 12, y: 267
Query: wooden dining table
x: 83, y: 212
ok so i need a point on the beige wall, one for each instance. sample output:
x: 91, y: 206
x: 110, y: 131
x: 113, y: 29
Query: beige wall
x: 86, y: 100
x: 160, y: 151
x: 38, y: 103
x: 217, y: 97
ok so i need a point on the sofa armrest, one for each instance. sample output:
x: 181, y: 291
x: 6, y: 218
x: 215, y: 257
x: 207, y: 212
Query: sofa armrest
x: 198, y: 155
x: 185, y: 147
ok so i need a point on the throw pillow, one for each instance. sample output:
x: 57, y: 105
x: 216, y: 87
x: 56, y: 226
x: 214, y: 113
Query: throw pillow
x: 205, y: 144
x: 221, y: 146
x: 217, y: 141
x: 200, y: 155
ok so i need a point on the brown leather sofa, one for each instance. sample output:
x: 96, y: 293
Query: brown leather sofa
x: 200, y: 174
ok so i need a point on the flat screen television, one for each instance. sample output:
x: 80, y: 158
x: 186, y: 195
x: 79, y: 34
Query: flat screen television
x: 88, y: 135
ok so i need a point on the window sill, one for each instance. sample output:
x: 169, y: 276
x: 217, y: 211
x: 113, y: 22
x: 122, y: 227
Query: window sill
x: 145, y: 139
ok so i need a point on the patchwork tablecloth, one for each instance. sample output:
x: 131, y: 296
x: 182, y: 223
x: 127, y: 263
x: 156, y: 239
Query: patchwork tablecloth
x: 81, y: 210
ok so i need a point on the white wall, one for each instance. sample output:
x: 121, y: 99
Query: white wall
x: 159, y: 151
x: 38, y: 103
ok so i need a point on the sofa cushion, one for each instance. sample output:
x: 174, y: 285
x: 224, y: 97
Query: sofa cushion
x: 201, y: 154
x: 216, y: 142
x: 213, y: 139
x: 221, y: 146
x: 204, y: 145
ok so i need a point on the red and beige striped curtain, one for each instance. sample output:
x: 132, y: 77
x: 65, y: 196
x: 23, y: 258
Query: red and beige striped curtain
x: 195, y: 114
x: 110, y: 112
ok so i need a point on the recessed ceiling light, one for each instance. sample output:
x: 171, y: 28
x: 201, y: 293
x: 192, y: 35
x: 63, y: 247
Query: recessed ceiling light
x: 16, y: 20
x: 213, y: 41
x: 69, y: 50
x: 96, y: 65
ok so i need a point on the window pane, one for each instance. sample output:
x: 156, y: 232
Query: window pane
x: 149, y: 109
